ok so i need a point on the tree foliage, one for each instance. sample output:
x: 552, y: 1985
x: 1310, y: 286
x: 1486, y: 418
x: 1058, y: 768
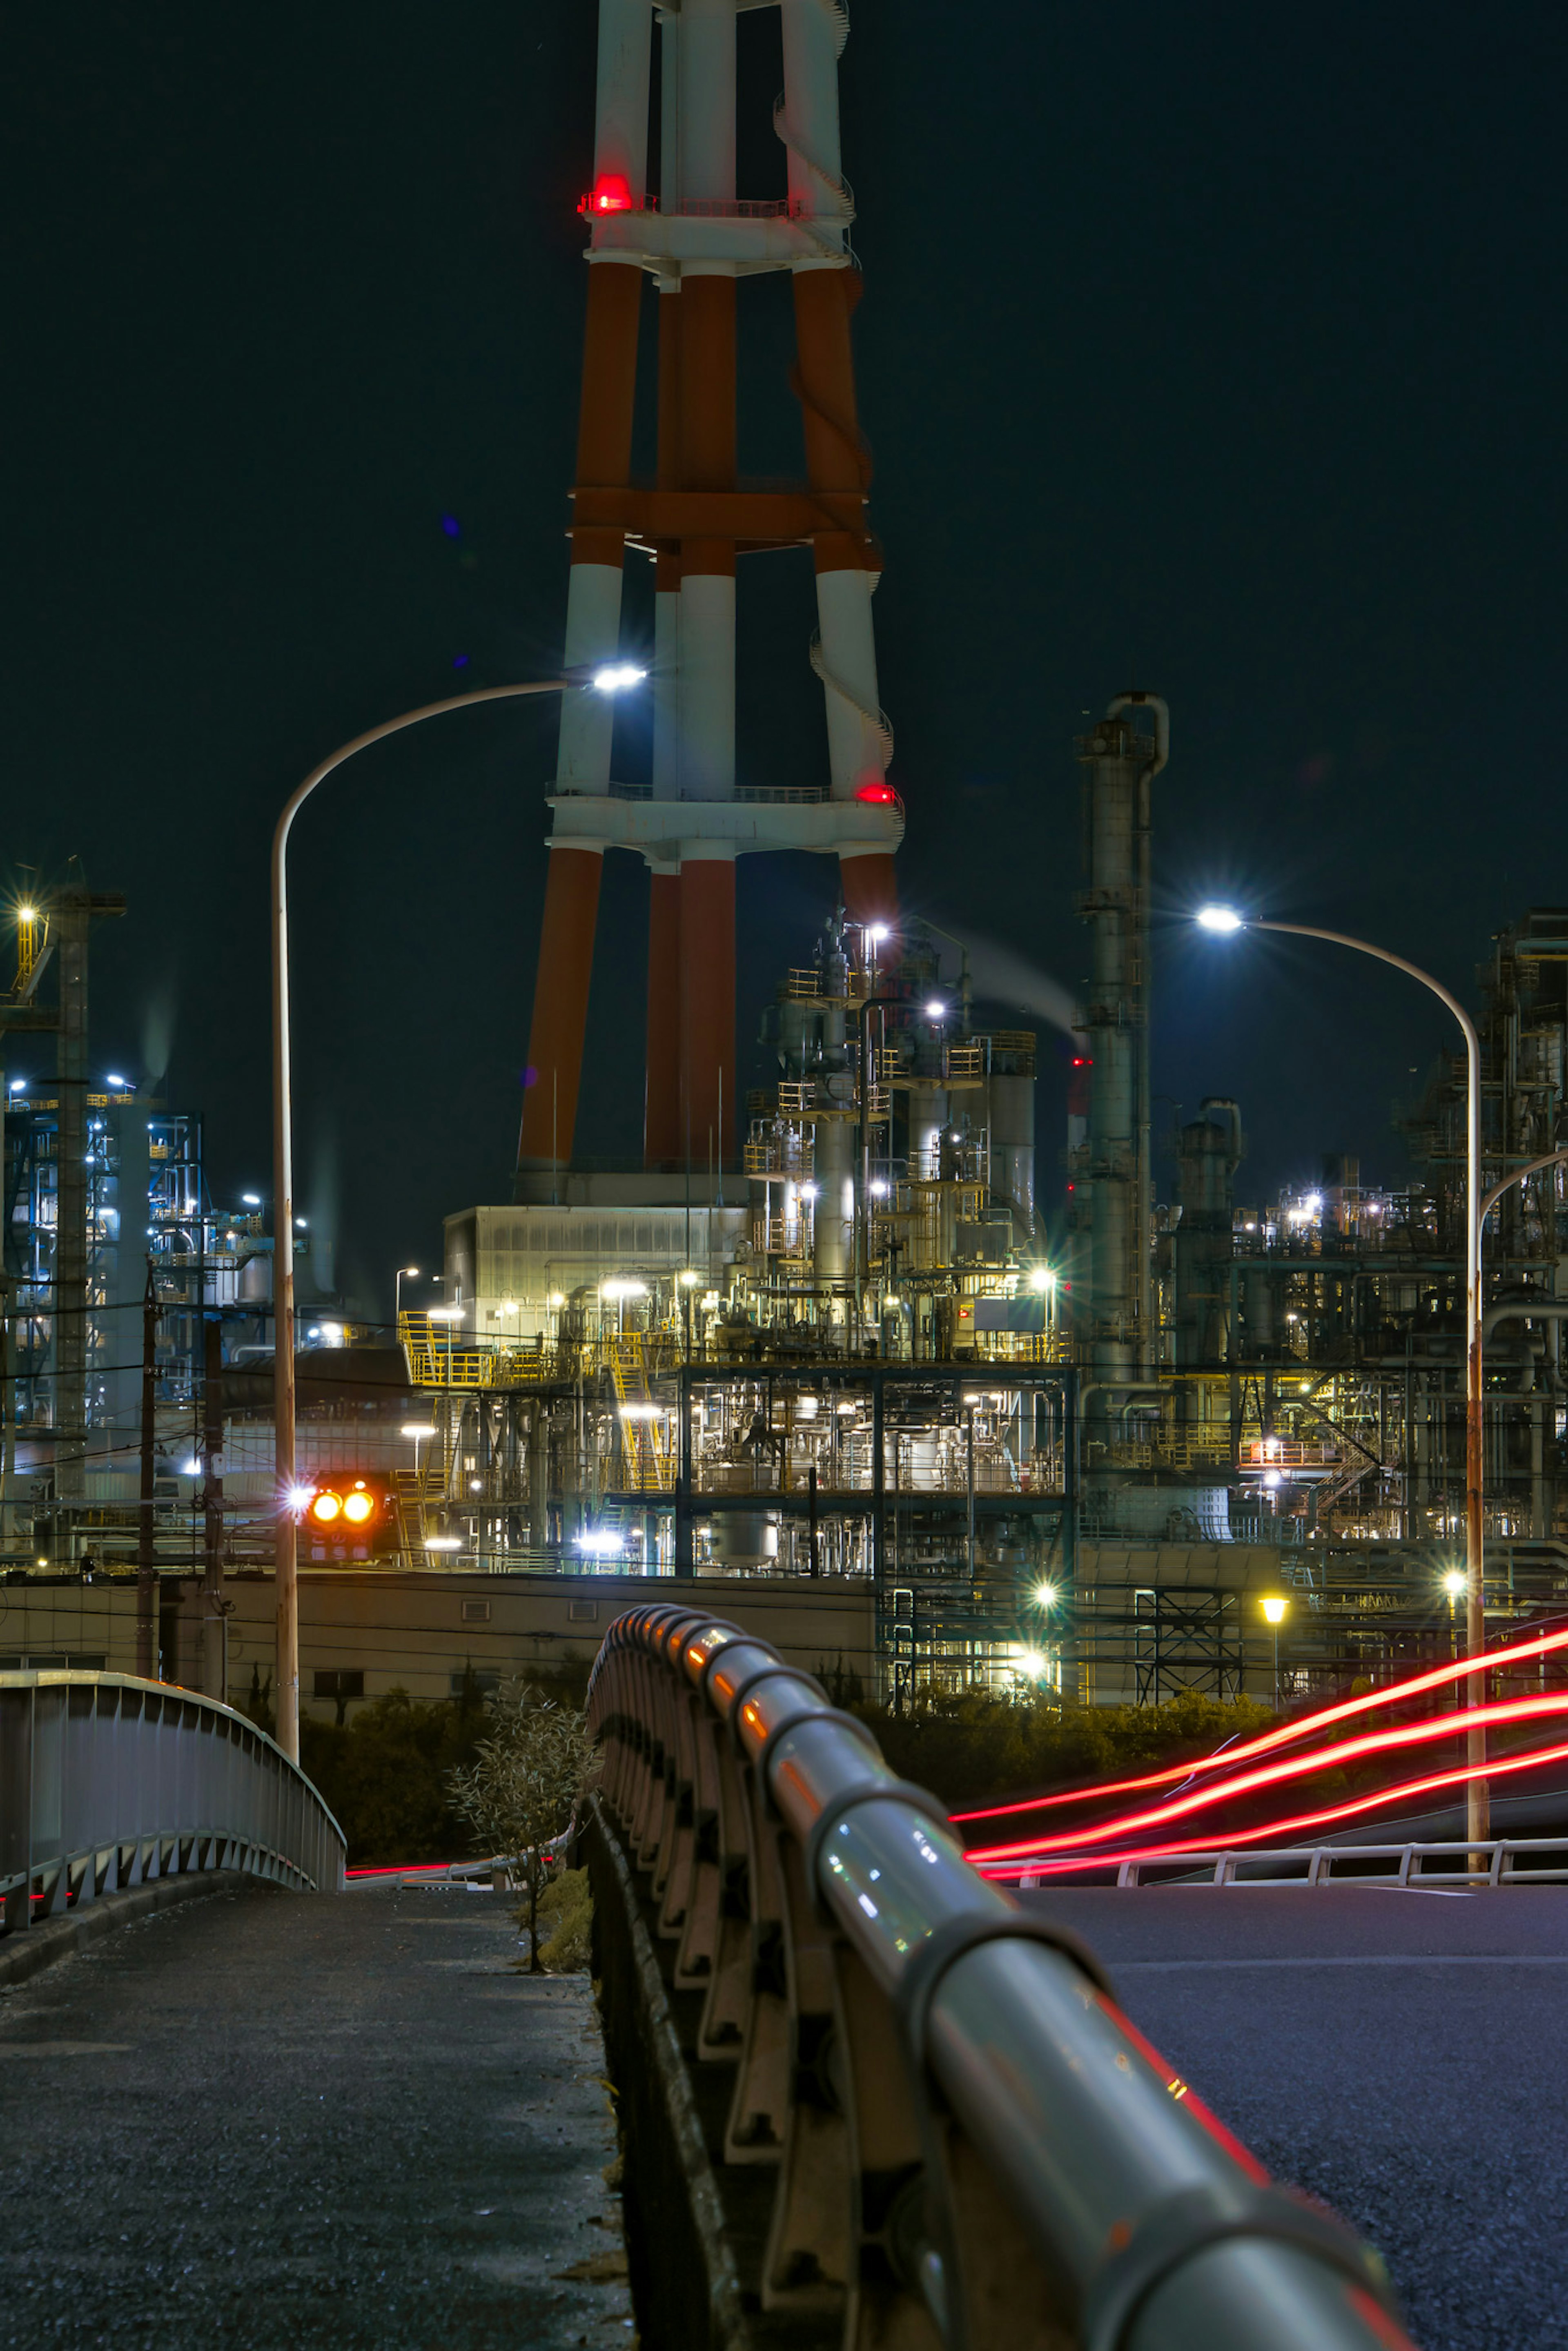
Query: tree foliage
x: 971, y: 1747
x: 520, y: 1792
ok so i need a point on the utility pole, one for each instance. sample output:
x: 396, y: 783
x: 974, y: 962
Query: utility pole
x: 146, y: 1562
x: 214, y: 1608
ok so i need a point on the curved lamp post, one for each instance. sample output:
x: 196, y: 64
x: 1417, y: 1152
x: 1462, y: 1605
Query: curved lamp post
x: 290, y: 1502
x: 1226, y: 919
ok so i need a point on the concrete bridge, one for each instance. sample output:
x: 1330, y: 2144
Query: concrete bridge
x: 860, y: 2098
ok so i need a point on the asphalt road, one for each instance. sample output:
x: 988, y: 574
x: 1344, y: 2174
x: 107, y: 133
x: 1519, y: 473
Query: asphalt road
x: 1403, y: 2056
x: 273, y: 2118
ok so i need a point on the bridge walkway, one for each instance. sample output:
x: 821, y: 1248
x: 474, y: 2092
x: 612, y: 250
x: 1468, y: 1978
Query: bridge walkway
x: 1401, y: 2053
x: 265, y: 2117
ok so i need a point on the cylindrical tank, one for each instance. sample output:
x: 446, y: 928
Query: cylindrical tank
x: 1208, y: 1152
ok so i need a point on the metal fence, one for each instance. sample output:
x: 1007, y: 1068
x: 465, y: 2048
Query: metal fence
x: 1498, y: 1861
x: 106, y: 1782
x: 970, y: 2143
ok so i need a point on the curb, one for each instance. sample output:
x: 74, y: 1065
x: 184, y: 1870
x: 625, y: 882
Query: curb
x: 24, y: 1953
x: 662, y: 2130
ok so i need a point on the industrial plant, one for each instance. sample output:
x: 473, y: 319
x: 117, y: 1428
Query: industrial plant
x: 944, y: 1401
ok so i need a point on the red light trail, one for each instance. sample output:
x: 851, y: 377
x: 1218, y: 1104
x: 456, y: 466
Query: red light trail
x: 1490, y: 1770
x: 1496, y: 1661
x: 1338, y: 1752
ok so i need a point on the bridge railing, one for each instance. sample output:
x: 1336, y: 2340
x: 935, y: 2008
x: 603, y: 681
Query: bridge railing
x: 970, y: 2144
x: 106, y: 1782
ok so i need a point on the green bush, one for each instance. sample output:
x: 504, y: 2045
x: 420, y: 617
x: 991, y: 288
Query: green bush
x: 970, y: 1748
x: 385, y: 1777
x: 566, y: 1911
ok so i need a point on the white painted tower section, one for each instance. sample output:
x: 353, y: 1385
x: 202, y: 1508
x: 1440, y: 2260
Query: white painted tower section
x: 621, y: 118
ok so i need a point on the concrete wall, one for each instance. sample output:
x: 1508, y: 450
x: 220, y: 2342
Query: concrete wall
x: 416, y: 1632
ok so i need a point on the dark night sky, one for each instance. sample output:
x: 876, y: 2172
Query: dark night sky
x: 1217, y: 344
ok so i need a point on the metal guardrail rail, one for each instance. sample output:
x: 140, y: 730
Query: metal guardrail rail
x: 106, y: 1782
x: 972, y: 2145
x: 1505, y: 1861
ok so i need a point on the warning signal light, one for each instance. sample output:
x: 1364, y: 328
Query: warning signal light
x: 879, y: 795
x: 610, y: 192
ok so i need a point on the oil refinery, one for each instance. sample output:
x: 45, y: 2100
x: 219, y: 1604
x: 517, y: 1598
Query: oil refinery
x: 823, y: 1344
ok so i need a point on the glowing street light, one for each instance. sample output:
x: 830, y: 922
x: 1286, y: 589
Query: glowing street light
x: 286, y: 1675
x: 1275, y: 1607
x: 404, y: 1273
x: 1227, y: 919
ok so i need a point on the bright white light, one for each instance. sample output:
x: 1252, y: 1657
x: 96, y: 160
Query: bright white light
x: 616, y: 676
x: 1270, y: 1476
x: 1219, y: 919
x: 26, y: 914
x: 556, y: 1299
x: 333, y: 1333
x: 17, y: 1084
x: 689, y: 1280
x: 409, y: 1272
x: 600, y: 1546
x: 476, y: 1485
x: 878, y: 1189
x: 123, y: 1083
x: 1274, y: 1607
x: 1314, y: 1204
x: 251, y: 1199
x: 936, y: 1012
x: 443, y: 1542
x: 876, y: 933
x: 418, y: 1429
x: 806, y: 1408
x: 314, y: 1331
x: 1031, y: 1664
x: 811, y: 1191
x: 299, y: 1225
x: 614, y: 1290
x: 1040, y: 1276
x: 846, y: 1407
x: 639, y: 1412
x: 1456, y: 1582
x: 189, y: 1469
x: 301, y: 1497
x: 1045, y: 1595
x: 445, y: 1313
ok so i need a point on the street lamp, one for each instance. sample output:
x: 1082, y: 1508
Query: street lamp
x: 611, y: 680
x: 1275, y: 1606
x: 1225, y: 919
x: 404, y: 1273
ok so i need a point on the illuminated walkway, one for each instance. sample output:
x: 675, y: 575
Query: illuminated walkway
x: 1403, y: 2056
x: 279, y: 2119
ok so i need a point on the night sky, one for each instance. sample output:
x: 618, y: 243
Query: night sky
x: 1210, y: 348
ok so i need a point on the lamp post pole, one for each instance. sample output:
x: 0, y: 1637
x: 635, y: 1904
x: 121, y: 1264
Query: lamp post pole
x: 404, y: 1272
x: 286, y: 1545
x: 1478, y: 1802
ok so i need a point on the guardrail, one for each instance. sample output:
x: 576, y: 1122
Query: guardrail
x: 1544, y: 1863
x: 972, y: 2144
x: 106, y: 1782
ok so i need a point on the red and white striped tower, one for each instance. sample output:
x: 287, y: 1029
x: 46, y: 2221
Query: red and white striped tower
x: 695, y: 239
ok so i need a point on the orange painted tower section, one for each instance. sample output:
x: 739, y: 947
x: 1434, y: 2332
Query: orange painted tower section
x: 695, y: 238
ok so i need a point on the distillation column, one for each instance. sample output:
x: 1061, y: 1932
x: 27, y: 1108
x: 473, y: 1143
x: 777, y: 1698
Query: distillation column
x: 1120, y: 764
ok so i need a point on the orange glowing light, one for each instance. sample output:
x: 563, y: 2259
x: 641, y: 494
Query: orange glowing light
x: 326, y: 1507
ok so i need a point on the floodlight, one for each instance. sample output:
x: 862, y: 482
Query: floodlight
x: 1040, y: 1276
x: 123, y: 1083
x: 1274, y: 1607
x: 1456, y: 1582
x: 417, y: 1429
x: 616, y: 676
x: 1045, y: 1595
x: 935, y: 1012
x: 1219, y: 919
x: 251, y: 1199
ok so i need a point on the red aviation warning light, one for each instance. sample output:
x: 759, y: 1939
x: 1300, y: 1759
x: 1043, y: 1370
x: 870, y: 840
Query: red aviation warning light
x: 879, y: 795
x: 610, y: 192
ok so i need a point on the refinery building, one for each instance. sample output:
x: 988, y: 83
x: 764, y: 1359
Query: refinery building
x: 823, y: 1346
